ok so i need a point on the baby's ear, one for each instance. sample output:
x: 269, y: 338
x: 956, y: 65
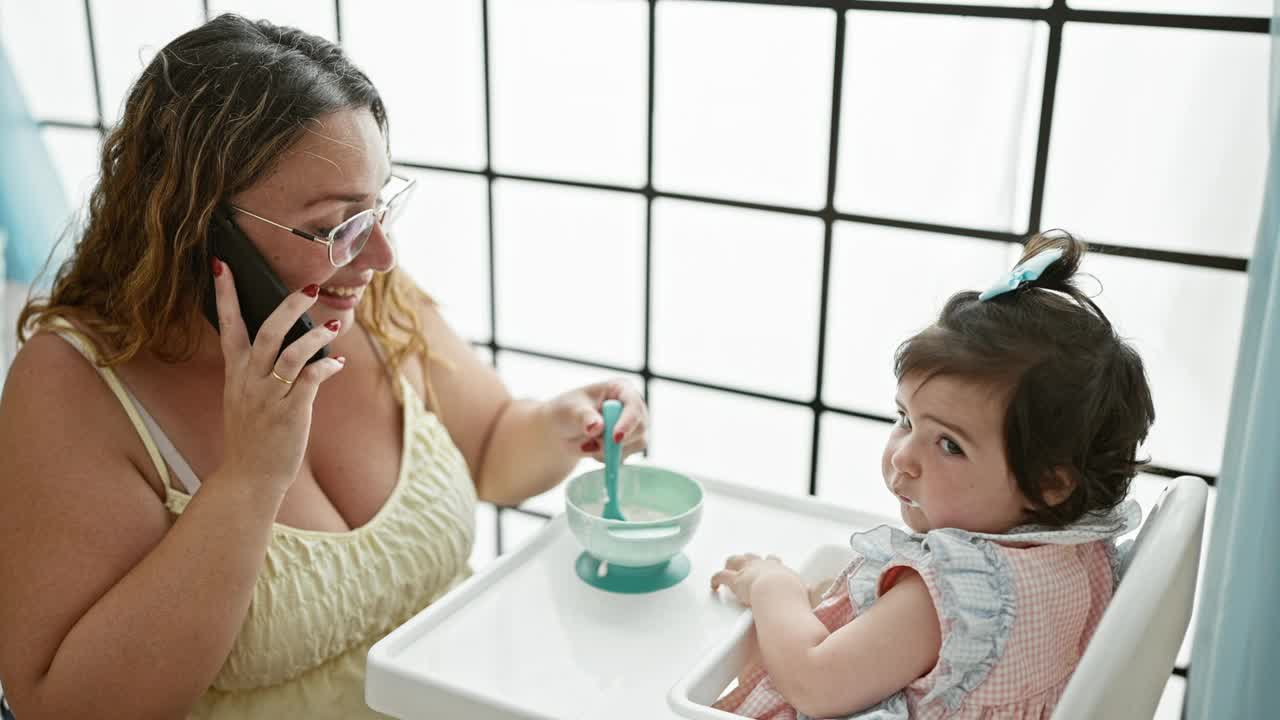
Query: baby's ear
x: 1058, y: 486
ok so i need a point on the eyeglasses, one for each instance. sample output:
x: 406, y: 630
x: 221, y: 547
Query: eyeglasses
x: 347, y: 239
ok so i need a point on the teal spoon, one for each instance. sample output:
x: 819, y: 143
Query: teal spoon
x: 611, y: 410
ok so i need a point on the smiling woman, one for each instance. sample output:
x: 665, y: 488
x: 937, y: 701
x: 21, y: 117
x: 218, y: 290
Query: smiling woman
x: 202, y: 502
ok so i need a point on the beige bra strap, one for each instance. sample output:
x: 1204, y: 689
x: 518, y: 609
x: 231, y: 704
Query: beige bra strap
x: 77, y: 340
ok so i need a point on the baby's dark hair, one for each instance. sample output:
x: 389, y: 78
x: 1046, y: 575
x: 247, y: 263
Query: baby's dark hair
x: 1078, y: 399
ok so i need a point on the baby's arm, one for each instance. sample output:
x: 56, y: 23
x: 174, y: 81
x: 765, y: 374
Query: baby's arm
x: 815, y: 591
x: 823, y: 674
x: 818, y: 589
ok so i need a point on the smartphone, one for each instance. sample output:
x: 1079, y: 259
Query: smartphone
x: 259, y: 289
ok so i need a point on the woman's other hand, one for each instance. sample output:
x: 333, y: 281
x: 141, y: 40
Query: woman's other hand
x: 576, y: 418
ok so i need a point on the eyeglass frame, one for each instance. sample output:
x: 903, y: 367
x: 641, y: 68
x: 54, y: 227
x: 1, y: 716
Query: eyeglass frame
x: 379, y: 211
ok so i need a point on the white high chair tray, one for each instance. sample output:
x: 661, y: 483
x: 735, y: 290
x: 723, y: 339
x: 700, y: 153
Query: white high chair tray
x: 526, y: 638
x: 696, y: 690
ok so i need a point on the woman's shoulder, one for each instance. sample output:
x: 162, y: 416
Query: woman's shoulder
x: 57, y: 408
x: 47, y: 370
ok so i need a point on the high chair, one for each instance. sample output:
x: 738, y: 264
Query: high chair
x: 1128, y: 661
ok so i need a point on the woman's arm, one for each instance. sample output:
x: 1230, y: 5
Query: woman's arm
x: 822, y: 673
x: 525, y: 455
x: 516, y: 449
x: 106, y: 610
x: 510, y: 446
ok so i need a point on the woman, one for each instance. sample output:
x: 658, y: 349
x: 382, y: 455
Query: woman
x: 189, y: 525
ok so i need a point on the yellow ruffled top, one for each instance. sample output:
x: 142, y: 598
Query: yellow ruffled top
x: 323, y: 598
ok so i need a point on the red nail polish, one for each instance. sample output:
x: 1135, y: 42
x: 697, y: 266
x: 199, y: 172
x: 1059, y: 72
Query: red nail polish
x: 217, y: 267
x: 311, y: 290
x: 617, y: 436
x: 333, y: 325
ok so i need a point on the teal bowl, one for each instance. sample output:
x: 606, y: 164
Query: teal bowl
x: 663, y: 509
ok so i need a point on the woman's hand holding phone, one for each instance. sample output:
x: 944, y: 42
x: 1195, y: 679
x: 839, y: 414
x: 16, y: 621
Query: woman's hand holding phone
x: 267, y: 421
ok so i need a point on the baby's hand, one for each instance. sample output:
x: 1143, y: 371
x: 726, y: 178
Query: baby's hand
x: 741, y: 572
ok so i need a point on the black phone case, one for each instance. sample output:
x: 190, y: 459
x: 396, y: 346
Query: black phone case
x: 257, y: 286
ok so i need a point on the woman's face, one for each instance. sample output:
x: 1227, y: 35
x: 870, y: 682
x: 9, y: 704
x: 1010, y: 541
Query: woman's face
x: 334, y: 171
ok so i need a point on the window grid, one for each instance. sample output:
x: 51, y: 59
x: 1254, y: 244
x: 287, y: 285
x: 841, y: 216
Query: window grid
x: 1056, y: 16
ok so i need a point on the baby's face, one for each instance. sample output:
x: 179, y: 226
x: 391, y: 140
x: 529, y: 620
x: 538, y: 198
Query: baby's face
x: 945, y: 457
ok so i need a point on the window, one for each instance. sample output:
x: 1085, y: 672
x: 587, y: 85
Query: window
x: 780, y: 192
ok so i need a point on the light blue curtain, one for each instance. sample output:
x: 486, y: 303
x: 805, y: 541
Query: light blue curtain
x: 33, y: 204
x: 1237, y: 638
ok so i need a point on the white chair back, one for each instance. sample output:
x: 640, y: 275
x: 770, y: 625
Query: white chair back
x: 1127, y: 664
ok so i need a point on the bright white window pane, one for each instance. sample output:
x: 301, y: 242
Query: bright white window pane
x: 1159, y: 137
x: 527, y: 376
x: 570, y: 271
x: 849, y: 450
x: 570, y: 88
x: 743, y: 101
x: 127, y: 35
x: 485, y: 548
x: 47, y: 44
x: 991, y: 3
x: 886, y: 285
x: 442, y: 241
x: 427, y: 60
x: 1185, y: 323
x: 518, y: 528
x: 1170, y: 707
x: 940, y: 116
x: 313, y: 16
x: 75, y: 155
x: 762, y: 443
x: 735, y: 296
x: 1188, y: 7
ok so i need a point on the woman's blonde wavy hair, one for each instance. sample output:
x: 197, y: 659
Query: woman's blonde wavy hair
x: 209, y: 117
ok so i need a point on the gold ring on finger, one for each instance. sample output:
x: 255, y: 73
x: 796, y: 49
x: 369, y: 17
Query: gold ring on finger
x: 276, y: 375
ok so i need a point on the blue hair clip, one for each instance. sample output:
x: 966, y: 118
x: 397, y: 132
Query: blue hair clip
x: 1026, y: 272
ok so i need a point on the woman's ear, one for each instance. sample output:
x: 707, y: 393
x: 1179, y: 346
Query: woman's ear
x: 1058, y: 486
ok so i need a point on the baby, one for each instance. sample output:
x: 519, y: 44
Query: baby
x: 1019, y: 416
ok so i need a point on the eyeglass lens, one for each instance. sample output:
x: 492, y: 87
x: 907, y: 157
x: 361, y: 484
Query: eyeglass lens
x: 351, y: 236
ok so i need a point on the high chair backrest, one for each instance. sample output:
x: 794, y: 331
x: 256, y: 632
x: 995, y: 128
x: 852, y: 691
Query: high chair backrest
x: 1128, y: 661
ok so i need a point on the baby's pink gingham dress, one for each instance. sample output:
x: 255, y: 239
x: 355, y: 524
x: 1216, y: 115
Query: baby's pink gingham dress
x: 1016, y: 612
